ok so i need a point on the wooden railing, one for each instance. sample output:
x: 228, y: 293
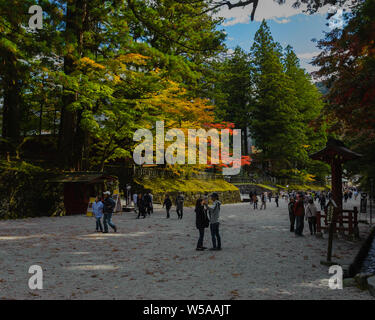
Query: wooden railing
x: 347, y: 217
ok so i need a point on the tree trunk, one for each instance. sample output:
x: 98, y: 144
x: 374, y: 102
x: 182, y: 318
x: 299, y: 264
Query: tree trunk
x: 12, y: 100
x: 71, y: 136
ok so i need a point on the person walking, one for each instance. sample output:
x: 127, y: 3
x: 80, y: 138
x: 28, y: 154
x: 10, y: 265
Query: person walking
x: 263, y: 200
x: 214, y: 212
x: 147, y: 202
x: 322, y: 201
x: 108, y: 207
x: 135, y: 196
x: 167, y: 204
x: 270, y: 196
x: 311, y: 216
x: 180, y: 205
x: 292, y: 217
x: 152, y: 202
x: 251, y: 197
x: 299, y: 213
x: 255, y: 201
x: 141, y: 206
x: 97, y: 209
x: 277, y: 199
x: 201, y: 222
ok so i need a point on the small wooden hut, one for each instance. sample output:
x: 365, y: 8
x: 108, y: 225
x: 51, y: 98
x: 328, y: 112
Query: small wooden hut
x: 80, y: 186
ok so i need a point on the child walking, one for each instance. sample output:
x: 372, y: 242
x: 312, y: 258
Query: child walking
x: 97, y: 208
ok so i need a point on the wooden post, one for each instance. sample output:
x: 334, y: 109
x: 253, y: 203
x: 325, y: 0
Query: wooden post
x: 355, y: 223
x: 319, y: 225
x: 318, y: 222
x: 350, y: 222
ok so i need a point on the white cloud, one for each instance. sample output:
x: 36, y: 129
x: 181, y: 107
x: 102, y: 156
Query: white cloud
x: 337, y: 21
x: 305, y: 59
x: 267, y: 9
x: 307, y: 55
x: 285, y: 20
x: 308, y: 67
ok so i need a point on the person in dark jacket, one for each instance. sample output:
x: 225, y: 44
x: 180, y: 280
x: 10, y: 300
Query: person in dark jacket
x: 299, y: 212
x: 201, y: 222
x: 277, y: 199
x: 147, y: 202
x: 292, y: 218
x: 141, y: 206
x: 180, y: 205
x: 322, y: 200
x: 167, y: 204
x: 108, y: 207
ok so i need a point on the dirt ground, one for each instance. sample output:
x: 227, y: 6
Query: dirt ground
x: 155, y: 258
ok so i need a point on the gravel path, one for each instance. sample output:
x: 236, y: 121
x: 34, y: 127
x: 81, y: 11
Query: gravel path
x: 155, y: 258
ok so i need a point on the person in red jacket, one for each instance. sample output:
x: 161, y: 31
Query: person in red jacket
x: 299, y: 213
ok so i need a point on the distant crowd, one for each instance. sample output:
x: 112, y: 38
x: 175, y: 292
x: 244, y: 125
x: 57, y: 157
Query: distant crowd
x: 301, y: 207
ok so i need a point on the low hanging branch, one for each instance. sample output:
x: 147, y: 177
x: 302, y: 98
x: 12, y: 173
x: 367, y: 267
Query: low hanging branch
x: 218, y: 4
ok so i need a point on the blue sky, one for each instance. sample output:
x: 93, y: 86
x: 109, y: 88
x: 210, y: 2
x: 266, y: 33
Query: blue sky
x: 288, y: 26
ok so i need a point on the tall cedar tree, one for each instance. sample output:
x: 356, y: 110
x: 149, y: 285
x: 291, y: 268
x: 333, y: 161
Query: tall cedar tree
x: 275, y: 121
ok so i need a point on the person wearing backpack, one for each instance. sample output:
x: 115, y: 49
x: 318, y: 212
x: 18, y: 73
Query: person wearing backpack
x: 214, y: 212
x: 180, y: 205
x: 167, y: 204
x: 108, y: 207
x: 201, y: 222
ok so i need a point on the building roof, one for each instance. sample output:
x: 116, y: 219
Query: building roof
x: 335, y: 149
x: 83, y: 177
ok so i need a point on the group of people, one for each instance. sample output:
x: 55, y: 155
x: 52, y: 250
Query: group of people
x: 143, y: 204
x: 302, y: 207
x: 208, y: 216
x: 263, y: 198
x: 103, y: 207
x: 349, y: 193
x: 179, y: 202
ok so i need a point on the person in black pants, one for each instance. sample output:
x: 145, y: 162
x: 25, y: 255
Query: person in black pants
x: 201, y: 222
x: 277, y: 199
x: 180, y: 205
x: 147, y: 202
x: 108, y: 207
x: 141, y: 206
x: 292, y: 218
x: 168, y: 204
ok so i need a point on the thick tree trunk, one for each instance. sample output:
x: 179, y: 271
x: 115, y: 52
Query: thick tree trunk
x: 71, y: 135
x: 12, y: 100
x: 11, y: 112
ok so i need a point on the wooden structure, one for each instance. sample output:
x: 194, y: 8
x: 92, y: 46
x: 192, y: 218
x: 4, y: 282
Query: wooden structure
x: 335, y: 154
x: 349, y: 217
x: 80, y: 186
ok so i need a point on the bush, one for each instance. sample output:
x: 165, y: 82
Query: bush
x: 24, y: 191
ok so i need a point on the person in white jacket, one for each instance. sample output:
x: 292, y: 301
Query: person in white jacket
x: 310, y: 212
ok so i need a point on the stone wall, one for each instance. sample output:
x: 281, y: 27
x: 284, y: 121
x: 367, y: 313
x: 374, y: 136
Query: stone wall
x: 191, y: 197
x: 246, y: 188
